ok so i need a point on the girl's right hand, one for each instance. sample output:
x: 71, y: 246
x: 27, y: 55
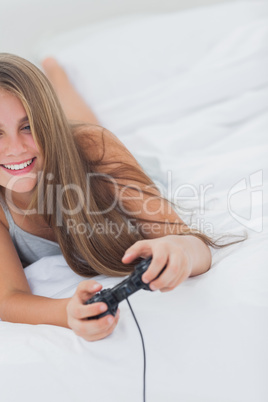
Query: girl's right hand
x: 78, y: 312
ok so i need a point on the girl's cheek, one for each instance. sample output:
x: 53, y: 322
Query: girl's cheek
x: 32, y: 144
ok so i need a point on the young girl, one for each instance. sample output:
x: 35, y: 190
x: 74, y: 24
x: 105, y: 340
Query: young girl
x: 60, y: 184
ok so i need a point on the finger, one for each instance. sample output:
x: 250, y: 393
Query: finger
x: 174, y: 284
x: 86, y: 289
x: 104, y: 334
x: 82, y: 311
x: 168, y: 277
x: 175, y: 273
x: 108, y: 321
x: 95, y: 329
x: 102, y: 325
x: 95, y: 309
x: 141, y: 248
x: 157, y: 264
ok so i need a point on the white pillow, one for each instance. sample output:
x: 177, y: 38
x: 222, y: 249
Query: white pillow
x: 126, y: 56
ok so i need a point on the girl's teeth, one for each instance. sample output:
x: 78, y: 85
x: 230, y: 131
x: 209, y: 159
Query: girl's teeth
x: 20, y: 166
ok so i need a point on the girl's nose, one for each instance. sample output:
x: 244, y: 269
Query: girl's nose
x: 15, y: 146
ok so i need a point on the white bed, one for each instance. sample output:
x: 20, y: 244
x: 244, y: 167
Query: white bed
x: 187, y: 92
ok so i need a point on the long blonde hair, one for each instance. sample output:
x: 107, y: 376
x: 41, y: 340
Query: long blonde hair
x: 66, y: 167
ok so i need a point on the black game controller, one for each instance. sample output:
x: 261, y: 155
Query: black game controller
x: 112, y: 297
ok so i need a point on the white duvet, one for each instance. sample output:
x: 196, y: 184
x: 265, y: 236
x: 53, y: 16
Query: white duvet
x: 193, y: 108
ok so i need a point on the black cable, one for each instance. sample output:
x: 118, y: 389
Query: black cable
x: 144, y: 355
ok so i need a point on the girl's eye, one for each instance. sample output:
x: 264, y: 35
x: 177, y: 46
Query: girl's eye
x: 26, y: 128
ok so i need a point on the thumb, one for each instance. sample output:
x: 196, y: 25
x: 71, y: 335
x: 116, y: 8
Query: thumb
x: 86, y: 289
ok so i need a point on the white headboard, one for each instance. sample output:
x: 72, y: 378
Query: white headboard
x: 24, y: 22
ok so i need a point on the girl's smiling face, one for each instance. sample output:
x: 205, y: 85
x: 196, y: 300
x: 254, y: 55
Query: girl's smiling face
x: 20, y: 159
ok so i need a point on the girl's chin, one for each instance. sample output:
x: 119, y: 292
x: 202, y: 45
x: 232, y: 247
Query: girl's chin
x: 23, y: 185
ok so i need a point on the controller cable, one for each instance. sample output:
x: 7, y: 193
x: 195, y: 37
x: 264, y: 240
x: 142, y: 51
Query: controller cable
x: 143, y: 347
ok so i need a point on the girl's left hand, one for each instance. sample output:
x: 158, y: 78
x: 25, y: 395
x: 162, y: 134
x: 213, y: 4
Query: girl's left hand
x: 170, y: 251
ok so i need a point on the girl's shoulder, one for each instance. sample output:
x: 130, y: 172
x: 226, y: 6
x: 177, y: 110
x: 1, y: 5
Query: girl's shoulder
x: 101, y: 146
x: 3, y: 219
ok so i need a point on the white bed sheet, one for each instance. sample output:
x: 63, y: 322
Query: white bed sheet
x: 207, y: 124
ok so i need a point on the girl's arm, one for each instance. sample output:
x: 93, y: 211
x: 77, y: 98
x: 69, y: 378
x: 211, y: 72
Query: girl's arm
x: 76, y: 109
x: 18, y: 304
x: 184, y: 255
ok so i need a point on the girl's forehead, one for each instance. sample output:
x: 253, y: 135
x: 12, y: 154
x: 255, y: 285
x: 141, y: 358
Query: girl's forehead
x: 11, y: 107
x: 7, y: 96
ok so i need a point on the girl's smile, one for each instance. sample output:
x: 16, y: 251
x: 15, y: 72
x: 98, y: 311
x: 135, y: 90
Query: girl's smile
x: 20, y: 159
x: 17, y: 168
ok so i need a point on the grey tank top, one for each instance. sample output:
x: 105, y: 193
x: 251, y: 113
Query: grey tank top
x: 30, y: 248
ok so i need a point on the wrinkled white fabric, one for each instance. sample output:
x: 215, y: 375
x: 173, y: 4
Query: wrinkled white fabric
x: 203, y: 116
